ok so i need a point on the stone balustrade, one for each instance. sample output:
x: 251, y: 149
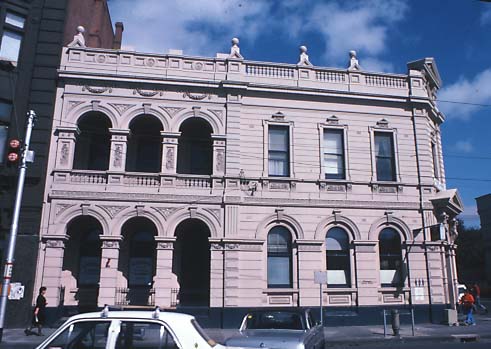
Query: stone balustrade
x: 154, y: 67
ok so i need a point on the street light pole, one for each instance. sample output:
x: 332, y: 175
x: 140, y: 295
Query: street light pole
x: 9, y: 261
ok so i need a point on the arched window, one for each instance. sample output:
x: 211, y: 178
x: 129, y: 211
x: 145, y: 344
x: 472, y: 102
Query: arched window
x: 90, y: 259
x: 338, y: 258
x: 195, y: 148
x: 144, y: 145
x: 279, y: 258
x: 390, y: 252
x: 142, y: 258
x: 93, y: 143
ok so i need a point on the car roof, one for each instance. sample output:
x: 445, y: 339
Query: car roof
x: 134, y: 314
x: 278, y: 310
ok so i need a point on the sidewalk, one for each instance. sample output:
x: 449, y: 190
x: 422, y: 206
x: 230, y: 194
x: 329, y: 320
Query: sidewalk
x: 334, y: 335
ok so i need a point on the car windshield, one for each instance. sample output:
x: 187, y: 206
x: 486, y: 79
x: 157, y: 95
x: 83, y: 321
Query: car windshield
x: 274, y: 320
x: 203, y: 334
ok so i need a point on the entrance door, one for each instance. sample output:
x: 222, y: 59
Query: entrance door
x: 192, y: 263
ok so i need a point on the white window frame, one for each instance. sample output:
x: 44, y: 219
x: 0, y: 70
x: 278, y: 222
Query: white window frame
x: 12, y: 28
x: 344, y: 129
x: 290, y: 126
x: 395, y: 146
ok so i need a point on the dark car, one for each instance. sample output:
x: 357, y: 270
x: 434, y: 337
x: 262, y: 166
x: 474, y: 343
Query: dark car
x: 285, y: 328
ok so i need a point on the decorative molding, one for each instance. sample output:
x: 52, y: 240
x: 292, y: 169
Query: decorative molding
x: 218, y: 114
x: 216, y: 212
x: 169, y: 158
x: 110, y: 244
x: 232, y: 246
x: 121, y: 108
x: 98, y: 90
x: 147, y: 93
x: 220, y: 158
x: 74, y: 104
x: 171, y: 110
x: 196, y: 96
x: 165, y: 245
x: 55, y: 243
x: 165, y: 211
x: 64, y: 153
x: 118, y: 155
x: 216, y: 247
x: 60, y: 208
x: 112, y: 210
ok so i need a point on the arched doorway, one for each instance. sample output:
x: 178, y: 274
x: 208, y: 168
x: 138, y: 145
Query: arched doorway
x: 144, y: 145
x: 191, y: 263
x: 93, y: 145
x: 137, y: 262
x: 82, y: 261
x: 195, y: 149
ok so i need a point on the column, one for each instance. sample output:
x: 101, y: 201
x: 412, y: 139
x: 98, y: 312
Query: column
x: 231, y: 275
x: 54, y: 250
x: 117, y: 158
x: 109, y: 269
x: 169, y: 152
x: 165, y: 281
x: 368, y: 271
x: 66, y: 147
x: 309, y: 261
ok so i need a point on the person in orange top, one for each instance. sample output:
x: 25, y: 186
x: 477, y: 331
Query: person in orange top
x: 467, y: 302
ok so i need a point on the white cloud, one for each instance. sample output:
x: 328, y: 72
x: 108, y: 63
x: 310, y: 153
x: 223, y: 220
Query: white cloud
x: 201, y: 27
x: 464, y: 146
x: 362, y: 25
x: 486, y: 17
x: 205, y: 27
x: 468, y: 94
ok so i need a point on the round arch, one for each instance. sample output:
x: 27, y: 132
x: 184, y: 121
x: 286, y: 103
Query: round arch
x: 132, y: 212
x: 181, y: 215
x: 188, y: 114
x: 136, y: 112
x: 390, y: 222
x: 76, y: 114
x: 74, y: 212
x: 337, y: 221
x: 285, y: 220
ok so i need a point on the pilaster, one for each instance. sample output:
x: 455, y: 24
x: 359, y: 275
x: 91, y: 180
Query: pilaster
x: 109, y: 269
x: 164, y: 280
x: 54, y: 246
x: 119, y: 145
x: 218, y: 154
x: 309, y: 260
x: 66, y: 146
x: 368, y: 276
x: 169, y: 152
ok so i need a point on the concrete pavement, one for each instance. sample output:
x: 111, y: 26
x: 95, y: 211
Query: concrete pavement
x: 342, y: 335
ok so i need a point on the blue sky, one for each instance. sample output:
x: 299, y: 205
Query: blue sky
x: 386, y: 34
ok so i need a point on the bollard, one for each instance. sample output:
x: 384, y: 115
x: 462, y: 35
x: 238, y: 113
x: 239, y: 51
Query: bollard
x: 396, y: 322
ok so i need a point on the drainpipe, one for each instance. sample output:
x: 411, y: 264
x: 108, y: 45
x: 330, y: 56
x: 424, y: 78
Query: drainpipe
x: 423, y: 219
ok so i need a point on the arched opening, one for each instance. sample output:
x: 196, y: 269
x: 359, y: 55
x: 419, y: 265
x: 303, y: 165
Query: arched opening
x: 138, y: 262
x: 280, y: 271
x: 338, y: 258
x: 82, y: 262
x: 144, y: 145
x: 191, y: 263
x: 93, y: 145
x: 390, y: 251
x: 195, y: 149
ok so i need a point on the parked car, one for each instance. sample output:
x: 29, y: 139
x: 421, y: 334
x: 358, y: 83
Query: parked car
x: 279, y: 329
x: 130, y: 330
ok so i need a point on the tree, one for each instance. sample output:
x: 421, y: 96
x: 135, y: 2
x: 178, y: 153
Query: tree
x: 470, y: 254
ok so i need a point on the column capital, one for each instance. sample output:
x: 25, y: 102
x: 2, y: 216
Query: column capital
x: 119, y: 131
x: 167, y: 134
x: 111, y: 241
x: 165, y: 243
x: 67, y: 132
x: 54, y: 241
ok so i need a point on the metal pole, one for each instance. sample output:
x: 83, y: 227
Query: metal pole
x: 9, y: 261
x: 322, y: 315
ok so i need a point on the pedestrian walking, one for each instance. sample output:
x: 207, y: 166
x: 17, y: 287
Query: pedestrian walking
x: 476, y: 293
x: 39, y: 314
x: 467, y: 302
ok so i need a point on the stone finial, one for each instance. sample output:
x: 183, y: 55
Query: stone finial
x: 78, y: 39
x: 304, y: 57
x: 235, y: 49
x: 353, y: 61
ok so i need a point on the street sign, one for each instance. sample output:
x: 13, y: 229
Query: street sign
x: 320, y: 277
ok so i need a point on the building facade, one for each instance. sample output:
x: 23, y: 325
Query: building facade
x: 484, y: 211
x: 32, y: 33
x: 224, y: 183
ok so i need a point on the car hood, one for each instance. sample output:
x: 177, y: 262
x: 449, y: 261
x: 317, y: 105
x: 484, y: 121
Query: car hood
x: 284, y: 339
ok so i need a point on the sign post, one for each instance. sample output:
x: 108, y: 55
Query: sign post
x: 320, y: 277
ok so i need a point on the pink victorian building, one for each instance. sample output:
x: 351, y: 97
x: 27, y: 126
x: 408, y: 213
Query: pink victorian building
x: 224, y: 183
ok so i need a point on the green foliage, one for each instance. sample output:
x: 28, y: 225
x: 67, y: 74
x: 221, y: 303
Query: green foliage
x: 470, y: 252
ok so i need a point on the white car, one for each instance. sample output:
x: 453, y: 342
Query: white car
x: 130, y: 330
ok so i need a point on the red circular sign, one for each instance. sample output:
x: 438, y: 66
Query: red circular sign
x: 13, y: 157
x: 14, y: 143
